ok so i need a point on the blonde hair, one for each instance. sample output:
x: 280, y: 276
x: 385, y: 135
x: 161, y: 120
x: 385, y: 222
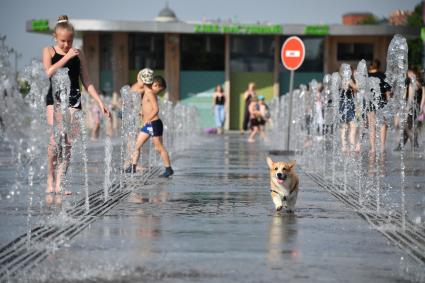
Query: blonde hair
x: 63, y: 23
x: 251, y: 85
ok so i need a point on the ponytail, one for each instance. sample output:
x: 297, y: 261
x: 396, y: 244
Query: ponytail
x: 63, y: 23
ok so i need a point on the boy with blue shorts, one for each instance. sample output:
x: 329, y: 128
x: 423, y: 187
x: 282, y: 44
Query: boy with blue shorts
x: 152, y: 126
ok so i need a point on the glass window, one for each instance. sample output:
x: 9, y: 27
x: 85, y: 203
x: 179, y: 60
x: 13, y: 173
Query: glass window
x: 202, y: 52
x: 355, y: 51
x: 146, y: 51
x: 252, y: 53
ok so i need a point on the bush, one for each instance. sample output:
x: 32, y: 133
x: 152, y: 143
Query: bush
x: 24, y: 87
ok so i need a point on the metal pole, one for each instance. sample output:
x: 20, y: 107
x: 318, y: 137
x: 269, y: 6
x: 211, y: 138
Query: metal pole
x: 291, y: 88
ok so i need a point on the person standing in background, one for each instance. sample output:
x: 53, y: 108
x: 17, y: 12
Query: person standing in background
x: 219, y: 112
x: 248, y: 95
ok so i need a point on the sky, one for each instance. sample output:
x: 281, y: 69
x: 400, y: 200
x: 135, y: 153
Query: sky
x: 14, y: 14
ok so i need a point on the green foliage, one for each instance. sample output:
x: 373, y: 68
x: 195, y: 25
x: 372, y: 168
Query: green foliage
x: 24, y: 87
x: 415, y: 52
x: 416, y: 18
x: 369, y: 20
x: 415, y: 45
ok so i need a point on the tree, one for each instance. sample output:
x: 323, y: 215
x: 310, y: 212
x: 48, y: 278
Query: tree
x: 369, y: 20
x: 415, y: 19
x: 416, y: 45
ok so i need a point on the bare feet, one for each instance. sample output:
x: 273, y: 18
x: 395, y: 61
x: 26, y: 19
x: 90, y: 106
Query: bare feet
x: 49, y: 189
x: 251, y: 140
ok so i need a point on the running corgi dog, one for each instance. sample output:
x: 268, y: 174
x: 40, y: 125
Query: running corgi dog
x: 283, y: 184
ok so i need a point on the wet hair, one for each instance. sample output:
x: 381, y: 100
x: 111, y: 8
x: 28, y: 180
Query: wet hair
x: 160, y: 81
x: 63, y: 23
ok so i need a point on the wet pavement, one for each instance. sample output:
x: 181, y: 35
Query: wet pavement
x: 214, y: 221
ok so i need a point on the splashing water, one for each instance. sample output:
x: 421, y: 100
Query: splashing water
x: 108, y: 167
x: 396, y: 75
x: 361, y: 78
x: 61, y: 86
x: 335, y: 86
x: 373, y: 191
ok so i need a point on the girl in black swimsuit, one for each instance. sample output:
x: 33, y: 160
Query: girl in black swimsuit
x: 60, y: 56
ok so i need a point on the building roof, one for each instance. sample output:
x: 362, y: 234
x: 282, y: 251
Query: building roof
x: 90, y: 25
x: 358, y: 14
x: 166, y: 15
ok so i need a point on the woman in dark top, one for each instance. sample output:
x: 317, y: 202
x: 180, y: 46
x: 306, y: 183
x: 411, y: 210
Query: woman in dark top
x: 55, y: 57
x: 248, y: 95
x: 219, y: 111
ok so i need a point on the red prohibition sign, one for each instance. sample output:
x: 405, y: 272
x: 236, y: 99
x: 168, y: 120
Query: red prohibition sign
x: 292, y: 53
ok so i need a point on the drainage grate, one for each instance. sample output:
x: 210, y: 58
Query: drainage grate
x: 21, y: 255
x: 411, y: 239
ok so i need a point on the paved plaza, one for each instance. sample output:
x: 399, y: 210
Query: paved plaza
x: 213, y: 221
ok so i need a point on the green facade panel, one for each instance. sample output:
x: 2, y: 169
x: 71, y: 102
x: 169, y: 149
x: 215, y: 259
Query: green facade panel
x: 299, y: 78
x: 239, y: 84
x: 106, y: 82
x: 197, y: 88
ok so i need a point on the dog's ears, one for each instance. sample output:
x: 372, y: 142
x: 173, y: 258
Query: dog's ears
x: 292, y: 164
x: 269, y: 162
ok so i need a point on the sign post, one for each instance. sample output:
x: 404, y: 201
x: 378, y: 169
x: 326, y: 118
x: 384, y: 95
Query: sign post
x: 292, y: 55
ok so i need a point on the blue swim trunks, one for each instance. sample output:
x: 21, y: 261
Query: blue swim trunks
x: 153, y: 129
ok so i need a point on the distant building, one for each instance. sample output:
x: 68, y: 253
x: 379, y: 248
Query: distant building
x: 196, y: 56
x: 355, y: 18
x: 399, y: 17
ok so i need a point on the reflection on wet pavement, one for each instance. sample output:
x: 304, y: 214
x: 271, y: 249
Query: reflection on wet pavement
x: 214, y: 221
